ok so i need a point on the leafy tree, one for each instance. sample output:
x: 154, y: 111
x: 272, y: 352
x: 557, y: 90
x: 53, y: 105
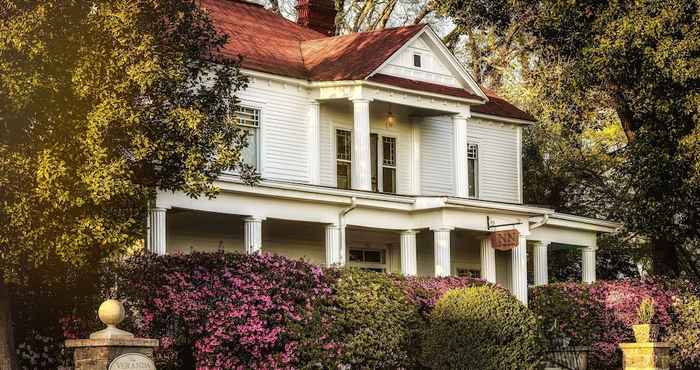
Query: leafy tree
x: 101, y: 103
x: 642, y: 59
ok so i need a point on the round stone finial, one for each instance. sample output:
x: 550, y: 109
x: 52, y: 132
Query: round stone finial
x: 111, y: 312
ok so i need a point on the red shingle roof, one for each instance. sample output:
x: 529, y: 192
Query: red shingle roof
x: 272, y: 44
x: 422, y: 86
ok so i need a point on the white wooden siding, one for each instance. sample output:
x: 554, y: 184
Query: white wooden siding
x: 432, y: 67
x: 498, y: 159
x: 340, y: 116
x: 284, y: 129
x: 436, y: 156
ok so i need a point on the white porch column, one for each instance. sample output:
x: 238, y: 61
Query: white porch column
x: 539, y: 257
x: 442, y: 250
x: 488, y: 261
x: 588, y: 264
x: 459, y: 124
x: 252, y: 234
x: 155, y: 235
x: 409, y: 262
x: 334, y: 246
x: 315, y: 142
x: 361, y: 167
x: 519, y: 269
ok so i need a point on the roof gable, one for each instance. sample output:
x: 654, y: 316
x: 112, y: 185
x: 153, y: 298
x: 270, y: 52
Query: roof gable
x: 354, y: 56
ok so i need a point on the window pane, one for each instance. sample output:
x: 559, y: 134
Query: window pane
x: 249, y: 154
x: 389, y: 151
x: 343, y: 144
x: 389, y: 180
x: 373, y: 256
x: 355, y: 255
x: 343, y: 178
x: 373, y: 142
x: 416, y: 60
x: 473, y: 177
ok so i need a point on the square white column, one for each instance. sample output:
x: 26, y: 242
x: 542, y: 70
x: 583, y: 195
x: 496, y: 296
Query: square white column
x: 335, y: 254
x: 459, y: 133
x: 252, y: 234
x: 441, y: 245
x: 519, y: 269
x: 156, y: 233
x: 361, y: 167
x: 539, y: 257
x: 409, y: 261
x: 588, y: 264
x: 488, y: 261
x: 315, y: 142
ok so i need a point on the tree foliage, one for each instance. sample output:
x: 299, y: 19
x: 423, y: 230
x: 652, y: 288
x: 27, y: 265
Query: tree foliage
x: 101, y: 103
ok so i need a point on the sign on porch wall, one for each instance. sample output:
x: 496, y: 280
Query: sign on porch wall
x: 505, y: 240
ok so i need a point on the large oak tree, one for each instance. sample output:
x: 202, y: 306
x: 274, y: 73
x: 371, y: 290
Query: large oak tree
x: 101, y: 103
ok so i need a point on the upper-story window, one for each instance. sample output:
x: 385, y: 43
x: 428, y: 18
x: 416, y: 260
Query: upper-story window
x: 417, y: 61
x: 383, y: 158
x: 249, y: 120
x: 473, y: 169
x: 343, y: 149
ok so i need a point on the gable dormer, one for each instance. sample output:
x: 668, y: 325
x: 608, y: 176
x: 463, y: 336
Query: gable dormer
x: 418, y: 61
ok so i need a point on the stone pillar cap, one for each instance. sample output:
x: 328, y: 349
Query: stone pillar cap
x: 111, y: 313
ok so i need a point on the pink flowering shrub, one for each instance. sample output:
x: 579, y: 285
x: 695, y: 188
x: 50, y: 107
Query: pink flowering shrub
x: 601, y: 315
x: 424, y: 292
x: 221, y: 311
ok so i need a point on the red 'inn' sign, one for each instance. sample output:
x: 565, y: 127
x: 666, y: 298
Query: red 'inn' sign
x: 505, y: 240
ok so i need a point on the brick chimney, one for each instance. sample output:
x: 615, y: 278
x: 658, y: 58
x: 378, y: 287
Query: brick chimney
x: 319, y: 15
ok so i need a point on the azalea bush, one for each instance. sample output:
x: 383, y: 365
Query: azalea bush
x: 481, y: 327
x: 221, y: 311
x: 601, y: 315
x: 685, y: 333
x: 424, y: 292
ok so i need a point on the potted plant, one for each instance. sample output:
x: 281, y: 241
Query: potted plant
x: 645, y: 331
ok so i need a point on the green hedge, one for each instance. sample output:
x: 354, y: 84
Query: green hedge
x: 480, y: 328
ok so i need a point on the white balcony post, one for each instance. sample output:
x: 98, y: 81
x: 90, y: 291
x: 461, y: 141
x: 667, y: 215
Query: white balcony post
x: 519, y: 269
x: 361, y: 166
x: 334, y: 246
x: 442, y: 251
x: 488, y: 261
x: 461, y: 181
x: 156, y: 233
x: 588, y: 264
x: 539, y: 258
x: 409, y: 262
x: 315, y: 142
x: 252, y: 234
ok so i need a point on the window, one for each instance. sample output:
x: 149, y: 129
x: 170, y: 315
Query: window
x: 383, y: 157
x: 473, y: 169
x: 368, y: 259
x: 471, y: 273
x: 343, y: 149
x: 389, y: 164
x: 417, y: 62
x: 249, y: 120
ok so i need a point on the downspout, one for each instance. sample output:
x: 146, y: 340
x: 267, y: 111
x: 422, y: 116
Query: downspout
x: 341, y: 225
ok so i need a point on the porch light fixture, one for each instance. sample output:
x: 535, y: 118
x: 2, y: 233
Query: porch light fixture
x: 390, y: 119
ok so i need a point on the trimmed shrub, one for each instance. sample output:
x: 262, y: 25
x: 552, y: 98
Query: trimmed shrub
x: 685, y: 333
x: 221, y: 311
x: 601, y: 315
x: 424, y: 292
x: 480, y: 328
x: 367, y: 323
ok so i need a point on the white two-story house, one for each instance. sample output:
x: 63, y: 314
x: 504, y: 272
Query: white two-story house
x: 376, y: 150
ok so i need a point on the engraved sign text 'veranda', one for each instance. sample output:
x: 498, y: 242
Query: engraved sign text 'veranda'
x: 504, y: 240
x: 132, y: 361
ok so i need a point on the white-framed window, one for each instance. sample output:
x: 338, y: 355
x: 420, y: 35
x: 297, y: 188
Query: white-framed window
x: 343, y: 156
x: 473, y: 169
x: 368, y: 259
x: 248, y: 118
x: 417, y: 60
x: 383, y: 158
x: 467, y: 272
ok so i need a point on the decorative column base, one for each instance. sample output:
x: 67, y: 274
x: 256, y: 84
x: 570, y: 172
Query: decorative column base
x: 99, y: 354
x: 646, y: 356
